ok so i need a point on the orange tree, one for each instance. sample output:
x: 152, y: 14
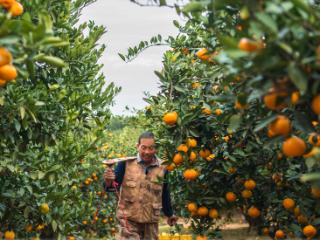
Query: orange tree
x: 54, y: 108
x: 237, y: 114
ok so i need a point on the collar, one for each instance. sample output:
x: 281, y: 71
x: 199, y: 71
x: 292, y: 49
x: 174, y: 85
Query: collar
x: 155, y: 162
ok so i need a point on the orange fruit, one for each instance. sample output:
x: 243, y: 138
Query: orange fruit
x: 315, y: 191
x: 182, y: 148
x: 44, y: 208
x: 192, y: 156
x: 246, y: 194
x: 6, y: 3
x: 280, y: 126
x: 170, y: 118
x: 296, y: 211
x: 309, y: 231
x: 8, y: 72
x: 195, y: 85
x: 314, y: 139
x: 210, y: 157
x: 171, y: 167
x: 201, y: 237
x: 105, y: 220
x: 315, y: 104
x: 204, y: 153
x: 84, y: 222
x: 240, y: 106
x: 270, y: 133
x: 190, y: 174
x: 249, y: 45
x: 302, y: 219
x: 274, y: 99
x: 288, y: 203
x: 232, y: 170
x: 16, y: 9
x: 192, y: 207
x: 191, y: 142
x: 203, y: 54
x: 295, y: 96
x: 250, y: 184
x: 3, y: 83
x: 279, y: 234
x: 253, y: 212
x: 206, y: 111
x: 213, y: 213
x: 231, y: 197
x: 202, y: 211
x: 314, y: 151
x: 218, y: 112
x: 9, y: 235
x: 265, y: 231
x: 5, y: 56
x: 294, y: 147
x: 28, y: 228
x: 177, y: 158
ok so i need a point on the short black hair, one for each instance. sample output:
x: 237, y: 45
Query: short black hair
x: 146, y: 134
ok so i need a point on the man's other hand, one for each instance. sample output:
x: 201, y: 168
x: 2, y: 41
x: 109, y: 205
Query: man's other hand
x: 172, y: 220
x: 109, y: 176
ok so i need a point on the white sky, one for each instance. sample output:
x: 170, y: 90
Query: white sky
x: 127, y: 24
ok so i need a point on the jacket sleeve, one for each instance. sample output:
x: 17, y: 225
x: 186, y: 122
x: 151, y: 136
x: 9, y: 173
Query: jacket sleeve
x: 119, y: 172
x: 166, y: 199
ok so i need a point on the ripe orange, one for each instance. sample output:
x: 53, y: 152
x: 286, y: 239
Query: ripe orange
x: 16, y: 9
x: 246, y: 194
x: 231, y: 197
x: 171, y: 167
x: 250, y: 184
x: 280, y: 126
x: 240, y: 106
x: 9, y: 235
x: 296, y: 211
x: 170, y: 118
x: 191, y: 142
x: 192, y: 207
x: 6, y: 3
x: 28, y: 228
x: 253, y: 212
x: 274, y: 99
x: 248, y: 45
x: 190, y: 174
x: 280, y: 234
x: 195, y: 85
x: 84, y: 222
x: 177, y: 158
x: 232, y: 170
x: 210, y: 157
x: 206, y: 111
x: 315, y: 191
x: 295, y: 96
x: 201, y: 237
x: 202, y: 211
x: 192, y: 156
x: 288, y: 203
x: 309, y: 231
x: 3, y: 83
x: 315, y: 105
x: 213, y: 213
x: 5, y: 56
x: 294, y: 147
x: 314, y: 139
x: 8, y: 72
x: 182, y: 148
x: 203, y: 54
x: 218, y: 112
x: 204, y: 153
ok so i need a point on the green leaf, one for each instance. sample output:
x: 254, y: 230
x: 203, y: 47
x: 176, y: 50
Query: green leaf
x: 193, y: 7
x: 55, y: 61
x: 235, y: 122
x: 310, y: 177
x: 298, y: 78
x: 264, y: 122
x: 122, y: 57
x: 22, y: 112
x: 267, y: 21
x: 54, y: 225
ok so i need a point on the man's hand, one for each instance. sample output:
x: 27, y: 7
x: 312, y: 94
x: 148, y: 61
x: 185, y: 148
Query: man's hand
x: 172, y: 220
x: 109, y: 176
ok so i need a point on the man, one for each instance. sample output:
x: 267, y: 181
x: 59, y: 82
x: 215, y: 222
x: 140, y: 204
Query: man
x: 144, y: 192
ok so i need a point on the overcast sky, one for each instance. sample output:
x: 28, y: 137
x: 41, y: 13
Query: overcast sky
x: 127, y: 24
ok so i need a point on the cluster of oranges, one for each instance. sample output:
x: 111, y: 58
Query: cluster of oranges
x: 89, y: 180
x: 7, y: 71
x: 202, y: 211
x: 14, y: 8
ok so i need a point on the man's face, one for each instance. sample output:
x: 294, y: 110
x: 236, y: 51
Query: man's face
x: 147, y: 149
